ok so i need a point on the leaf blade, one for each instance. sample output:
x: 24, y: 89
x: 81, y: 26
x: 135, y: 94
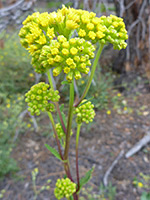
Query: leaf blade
x: 84, y: 180
x: 53, y: 151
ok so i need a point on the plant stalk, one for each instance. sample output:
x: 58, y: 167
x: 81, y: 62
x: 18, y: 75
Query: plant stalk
x: 66, y: 165
x: 77, y: 164
x: 69, y: 123
x: 55, y: 132
x: 56, y: 103
x: 91, y: 75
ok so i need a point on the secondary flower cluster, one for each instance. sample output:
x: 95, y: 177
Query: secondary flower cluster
x: 61, y: 134
x: 72, y: 57
x: 85, y: 112
x: 114, y: 31
x: 38, y: 98
x: 60, y: 131
x: 64, y: 188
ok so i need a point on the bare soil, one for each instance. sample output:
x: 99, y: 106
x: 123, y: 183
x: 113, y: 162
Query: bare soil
x: 99, y: 146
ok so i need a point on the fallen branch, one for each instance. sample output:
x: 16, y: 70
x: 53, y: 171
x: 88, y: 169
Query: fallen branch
x: 13, y: 13
x: 145, y: 140
x: 105, y: 179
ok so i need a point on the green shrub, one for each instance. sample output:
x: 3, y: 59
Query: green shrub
x: 16, y: 76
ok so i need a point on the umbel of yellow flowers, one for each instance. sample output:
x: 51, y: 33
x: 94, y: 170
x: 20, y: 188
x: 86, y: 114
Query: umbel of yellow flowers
x: 49, y: 39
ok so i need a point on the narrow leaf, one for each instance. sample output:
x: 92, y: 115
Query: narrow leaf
x: 145, y: 196
x: 65, y: 82
x: 53, y: 151
x: 71, y: 198
x: 84, y: 180
x: 86, y: 100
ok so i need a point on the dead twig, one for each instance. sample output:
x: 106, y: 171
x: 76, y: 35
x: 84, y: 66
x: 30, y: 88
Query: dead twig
x: 105, y: 179
x: 145, y: 140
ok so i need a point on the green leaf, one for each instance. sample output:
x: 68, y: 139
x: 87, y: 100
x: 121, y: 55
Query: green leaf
x: 84, y: 180
x: 145, y: 196
x: 54, y: 152
x: 65, y: 82
x: 86, y: 101
x: 71, y: 198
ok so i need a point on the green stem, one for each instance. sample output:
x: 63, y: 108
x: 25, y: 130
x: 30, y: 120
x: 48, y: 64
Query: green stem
x: 56, y: 103
x: 50, y: 79
x: 69, y: 123
x: 66, y: 165
x: 55, y: 132
x: 77, y: 164
x: 91, y: 75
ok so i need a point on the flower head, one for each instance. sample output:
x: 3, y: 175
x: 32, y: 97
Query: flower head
x: 85, y: 112
x: 64, y: 188
x: 46, y: 37
x: 71, y: 57
x: 39, y: 97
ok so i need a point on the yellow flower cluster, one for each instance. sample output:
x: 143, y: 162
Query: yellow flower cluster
x: 50, y: 32
x: 114, y: 31
x: 39, y: 97
x: 85, y: 112
x: 70, y: 56
x: 64, y: 188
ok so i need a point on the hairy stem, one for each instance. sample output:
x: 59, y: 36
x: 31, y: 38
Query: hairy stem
x: 91, y: 75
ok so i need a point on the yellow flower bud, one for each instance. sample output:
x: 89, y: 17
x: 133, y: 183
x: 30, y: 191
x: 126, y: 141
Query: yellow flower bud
x: 69, y: 61
x: 73, y: 66
x: 100, y: 34
x: 65, y: 52
x: 57, y: 71
x: 41, y: 40
x: 66, y: 70
x: 51, y: 61
x: 70, y: 24
x: 61, y: 38
x: 73, y: 51
x: 32, y: 49
x: 83, y: 65
x: 85, y: 18
x: 77, y: 75
x: 65, y: 44
x: 54, y: 51
x: 72, y: 41
x: 92, y: 35
x: 29, y: 38
x: 95, y: 20
x: 83, y: 59
x: 70, y: 76
x: 50, y: 33
x: 82, y: 33
x: 76, y: 58
x: 57, y: 58
x: 90, y: 26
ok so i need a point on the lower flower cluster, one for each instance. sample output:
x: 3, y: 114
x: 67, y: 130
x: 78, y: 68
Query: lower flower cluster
x: 38, y: 98
x: 85, y: 112
x: 64, y: 188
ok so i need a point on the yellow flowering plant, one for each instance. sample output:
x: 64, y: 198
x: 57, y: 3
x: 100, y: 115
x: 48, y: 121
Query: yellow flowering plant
x: 65, y: 42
